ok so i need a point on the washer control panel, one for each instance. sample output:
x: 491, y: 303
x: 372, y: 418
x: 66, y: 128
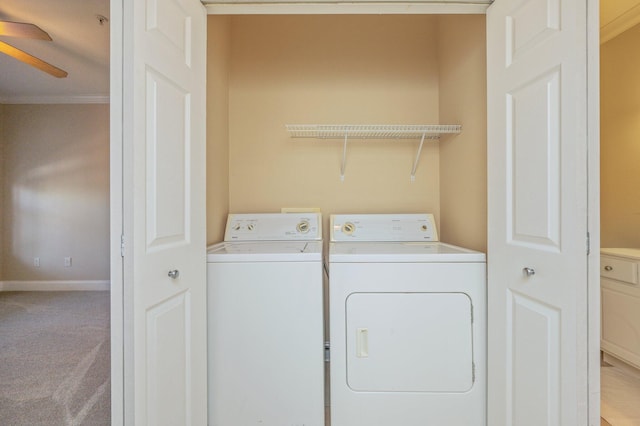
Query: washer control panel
x: 274, y: 227
x: 383, y: 227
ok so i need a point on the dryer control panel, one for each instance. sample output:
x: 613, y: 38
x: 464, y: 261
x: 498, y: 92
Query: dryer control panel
x: 383, y: 227
x: 274, y: 227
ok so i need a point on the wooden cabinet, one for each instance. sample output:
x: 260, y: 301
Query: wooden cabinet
x: 620, y: 286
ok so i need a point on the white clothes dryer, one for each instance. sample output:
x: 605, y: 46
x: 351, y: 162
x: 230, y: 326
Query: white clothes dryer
x: 265, y: 322
x: 408, y: 324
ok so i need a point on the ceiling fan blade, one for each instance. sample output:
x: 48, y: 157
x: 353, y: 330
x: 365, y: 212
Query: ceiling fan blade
x: 31, y: 60
x: 22, y: 30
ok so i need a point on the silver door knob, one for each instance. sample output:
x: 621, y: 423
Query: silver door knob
x: 173, y: 274
x: 529, y: 271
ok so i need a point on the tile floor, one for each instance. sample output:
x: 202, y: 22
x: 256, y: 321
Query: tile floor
x: 620, y: 401
x: 620, y: 394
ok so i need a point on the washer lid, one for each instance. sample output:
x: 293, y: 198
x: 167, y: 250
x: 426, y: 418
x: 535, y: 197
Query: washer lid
x: 398, y: 252
x: 265, y: 251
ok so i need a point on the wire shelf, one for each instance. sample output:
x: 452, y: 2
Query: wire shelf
x: 368, y: 131
x: 372, y: 131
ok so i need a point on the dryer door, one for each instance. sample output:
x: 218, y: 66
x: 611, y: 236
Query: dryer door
x: 409, y: 342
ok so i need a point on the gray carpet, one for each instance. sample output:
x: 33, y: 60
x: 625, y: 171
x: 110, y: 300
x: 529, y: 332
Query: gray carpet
x: 54, y: 358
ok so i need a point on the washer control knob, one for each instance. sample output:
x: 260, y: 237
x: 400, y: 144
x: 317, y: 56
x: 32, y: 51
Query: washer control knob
x: 303, y: 227
x: 251, y: 227
x: 348, y: 228
x: 424, y: 228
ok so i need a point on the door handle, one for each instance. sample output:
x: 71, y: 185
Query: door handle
x: 608, y: 268
x: 362, y: 342
x: 528, y: 271
x: 173, y: 274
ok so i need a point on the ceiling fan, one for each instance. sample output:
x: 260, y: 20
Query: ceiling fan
x: 23, y: 30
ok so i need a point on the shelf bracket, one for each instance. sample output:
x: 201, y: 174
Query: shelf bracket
x: 415, y: 163
x: 344, y: 156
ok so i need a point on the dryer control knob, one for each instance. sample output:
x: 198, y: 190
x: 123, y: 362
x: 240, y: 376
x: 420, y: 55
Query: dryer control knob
x: 348, y: 228
x: 303, y: 227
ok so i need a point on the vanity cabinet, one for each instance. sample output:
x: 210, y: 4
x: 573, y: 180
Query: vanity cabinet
x: 620, y: 287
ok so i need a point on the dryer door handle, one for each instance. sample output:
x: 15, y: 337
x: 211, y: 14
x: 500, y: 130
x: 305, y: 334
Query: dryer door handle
x: 362, y: 342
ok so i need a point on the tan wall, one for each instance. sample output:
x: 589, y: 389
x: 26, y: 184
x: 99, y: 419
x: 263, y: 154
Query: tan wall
x: 56, y: 192
x: 620, y: 141
x: 218, y: 53
x: 331, y: 70
x: 463, y: 158
x: 279, y: 70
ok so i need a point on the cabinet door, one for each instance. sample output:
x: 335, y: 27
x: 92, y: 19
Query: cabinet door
x: 621, y: 320
x: 537, y: 209
x: 620, y: 301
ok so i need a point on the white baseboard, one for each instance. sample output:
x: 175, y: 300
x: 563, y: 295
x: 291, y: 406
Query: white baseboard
x: 627, y: 368
x: 80, y: 285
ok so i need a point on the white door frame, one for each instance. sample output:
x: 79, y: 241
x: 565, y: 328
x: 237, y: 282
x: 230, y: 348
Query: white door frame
x: 593, y: 220
x: 116, y: 217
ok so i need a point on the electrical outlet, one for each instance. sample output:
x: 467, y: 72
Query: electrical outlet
x: 67, y: 262
x: 36, y: 262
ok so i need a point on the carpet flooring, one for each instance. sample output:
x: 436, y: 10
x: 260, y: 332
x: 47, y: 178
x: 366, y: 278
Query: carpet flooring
x: 54, y: 358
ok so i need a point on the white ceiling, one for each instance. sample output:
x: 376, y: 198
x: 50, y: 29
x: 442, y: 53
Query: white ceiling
x: 80, y: 46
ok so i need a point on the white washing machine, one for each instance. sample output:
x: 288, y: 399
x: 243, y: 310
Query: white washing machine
x: 265, y: 322
x: 408, y: 324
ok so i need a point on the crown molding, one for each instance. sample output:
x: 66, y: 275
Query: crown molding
x: 621, y: 24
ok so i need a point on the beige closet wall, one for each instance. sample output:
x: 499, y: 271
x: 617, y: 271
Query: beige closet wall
x: 56, y: 192
x: 331, y: 70
x: 218, y: 53
x: 620, y: 140
x: 463, y: 158
x: 369, y: 69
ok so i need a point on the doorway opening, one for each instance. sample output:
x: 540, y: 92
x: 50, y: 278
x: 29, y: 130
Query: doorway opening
x: 620, y: 212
